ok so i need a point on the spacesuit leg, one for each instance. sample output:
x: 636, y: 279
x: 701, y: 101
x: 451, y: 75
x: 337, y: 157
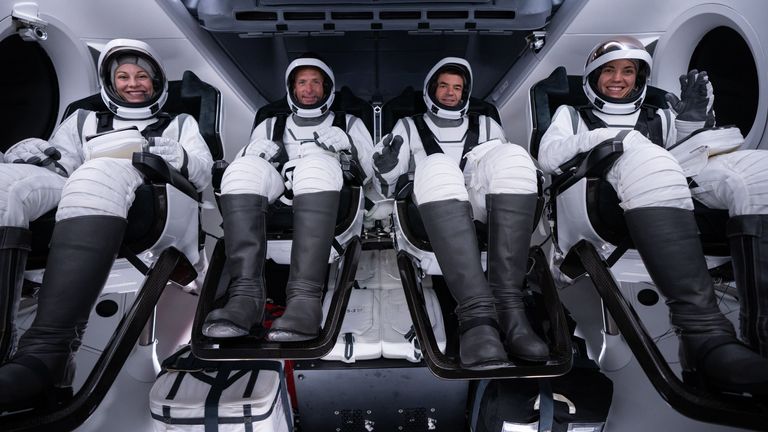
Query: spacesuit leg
x: 508, y: 177
x: 26, y: 193
x: 15, y: 244
x: 248, y: 185
x: 738, y: 182
x: 86, y: 239
x: 664, y: 231
x: 317, y: 182
x: 447, y: 214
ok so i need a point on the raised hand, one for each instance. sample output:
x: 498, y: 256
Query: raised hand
x: 386, y: 160
x: 696, y: 97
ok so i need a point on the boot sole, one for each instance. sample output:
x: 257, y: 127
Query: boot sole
x: 489, y: 365
x: 223, y: 330
x: 279, y: 335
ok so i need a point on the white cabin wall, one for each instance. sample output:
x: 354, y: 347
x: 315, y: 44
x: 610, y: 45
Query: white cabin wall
x: 679, y: 25
x: 94, y: 23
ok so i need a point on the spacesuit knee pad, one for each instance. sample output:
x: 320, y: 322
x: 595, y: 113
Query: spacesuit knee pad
x: 317, y: 173
x: 103, y: 186
x: 438, y: 178
x: 252, y: 175
x: 737, y: 181
x: 649, y: 176
x: 508, y: 169
x: 26, y: 193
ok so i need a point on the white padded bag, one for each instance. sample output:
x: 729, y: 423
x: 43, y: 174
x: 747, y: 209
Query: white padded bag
x: 398, y: 338
x: 208, y: 396
x: 360, y: 335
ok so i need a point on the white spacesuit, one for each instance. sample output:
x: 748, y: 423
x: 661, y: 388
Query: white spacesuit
x: 88, y: 173
x: 306, y: 158
x: 655, y: 196
x: 463, y: 169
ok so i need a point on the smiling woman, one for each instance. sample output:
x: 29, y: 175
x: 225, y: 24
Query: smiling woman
x: 133, y: 83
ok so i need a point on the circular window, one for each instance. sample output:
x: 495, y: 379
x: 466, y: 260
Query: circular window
x: 30, y: 92
x: 734, y: 76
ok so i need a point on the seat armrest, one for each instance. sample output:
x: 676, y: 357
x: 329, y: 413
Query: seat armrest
x: 157, y: 170
x: 595, y: 163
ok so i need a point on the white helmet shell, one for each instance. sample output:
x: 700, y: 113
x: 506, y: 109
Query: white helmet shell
x: 117, y: 51
x: 454, y: 64
x: 329, y: 88
x: 620, y: 47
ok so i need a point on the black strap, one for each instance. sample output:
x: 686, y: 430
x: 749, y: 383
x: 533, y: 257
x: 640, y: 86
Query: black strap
x: 175, y: 387
x: 431, y: 146
x: 482, y: 385
x: 648, y: 122
x: 427, y: 137
x: 278, y: 130
x: 340, y: 120
x: 546, y: 405
x: 473, y: 136
x: 212, y: 400
x: 477, y: 322
x: 105, y: 123
x: 349, y: 345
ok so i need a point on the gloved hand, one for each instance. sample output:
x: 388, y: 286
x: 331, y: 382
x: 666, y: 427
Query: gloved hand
x: 333, y: 139
x: 386, y: 161
x: 263, y: 148
x: 696, y: 97
x: 35, y: 151
x: 169, y: 149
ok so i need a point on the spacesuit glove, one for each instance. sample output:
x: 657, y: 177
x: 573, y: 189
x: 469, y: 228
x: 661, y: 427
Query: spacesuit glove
x: 333, y: 139
x: 170, y: 150
x: 263, y: 148
x: 35, y: 151
x: 386, y: 160
x: 696, y: 97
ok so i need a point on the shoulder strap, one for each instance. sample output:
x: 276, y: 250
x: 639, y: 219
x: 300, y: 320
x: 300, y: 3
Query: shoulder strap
x: 156, y: 129
x: 593, y: 122
x: 104, y: 123
x: 574, y: 118
x: 278, y: 130
x: 473, y: 136
x: 340, y: 120
x: 427, y: 137
x: 649, y: 124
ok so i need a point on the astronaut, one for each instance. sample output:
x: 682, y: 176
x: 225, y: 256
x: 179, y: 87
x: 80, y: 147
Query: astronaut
x: 308, y: 156
x: 93, y: 183
x: 464, y: 170
x: 656, y: 199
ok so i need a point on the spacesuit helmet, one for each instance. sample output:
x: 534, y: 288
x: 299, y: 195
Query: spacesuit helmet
x: 454, y: 65
x: 118, y: 52
x: 329, y: 86
x: 619, y: 47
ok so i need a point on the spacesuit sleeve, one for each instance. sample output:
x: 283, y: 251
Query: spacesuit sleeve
x: 362, y: 145
x: 199, y: 159
x: 258, y: 134
x: 385, y: 183
x: 559, y: 143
